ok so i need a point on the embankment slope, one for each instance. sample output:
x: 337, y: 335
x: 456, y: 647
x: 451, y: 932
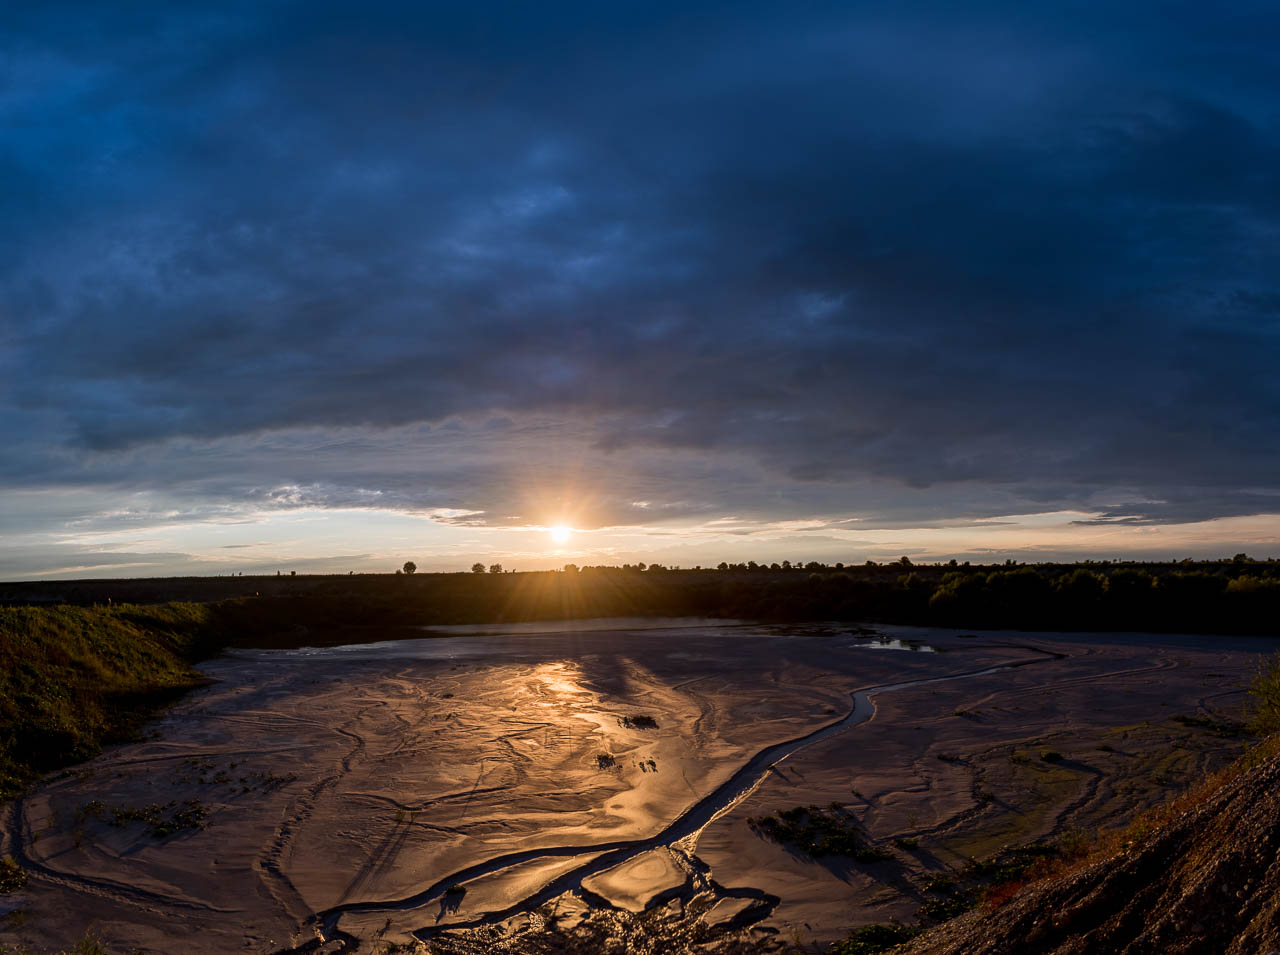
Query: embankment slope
x: 1207, y: 881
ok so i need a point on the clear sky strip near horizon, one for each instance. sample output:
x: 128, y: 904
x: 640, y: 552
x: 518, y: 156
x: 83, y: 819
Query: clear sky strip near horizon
x: 327, y: 287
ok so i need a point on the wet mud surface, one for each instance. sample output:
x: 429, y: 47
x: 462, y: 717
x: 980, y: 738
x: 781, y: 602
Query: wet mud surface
x: 592, y: 790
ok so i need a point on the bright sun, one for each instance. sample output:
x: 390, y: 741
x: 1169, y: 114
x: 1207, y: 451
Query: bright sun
x: 560, y: 533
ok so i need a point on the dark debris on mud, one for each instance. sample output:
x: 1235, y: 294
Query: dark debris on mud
x: 673, y: 929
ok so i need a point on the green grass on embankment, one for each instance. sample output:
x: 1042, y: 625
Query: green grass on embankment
x: 73, y: 679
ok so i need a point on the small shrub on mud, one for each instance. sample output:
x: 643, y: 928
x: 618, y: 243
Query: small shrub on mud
x: 12, y: 876
x: 820, y: 832
x: 638, y: 721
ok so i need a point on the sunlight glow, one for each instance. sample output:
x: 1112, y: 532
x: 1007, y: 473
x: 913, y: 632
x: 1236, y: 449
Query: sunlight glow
x: 560, y: 534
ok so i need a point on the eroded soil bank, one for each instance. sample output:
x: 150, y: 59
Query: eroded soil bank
x: 528, y: 790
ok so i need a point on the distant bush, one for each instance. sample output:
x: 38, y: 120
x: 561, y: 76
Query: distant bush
x: 1051, y: 756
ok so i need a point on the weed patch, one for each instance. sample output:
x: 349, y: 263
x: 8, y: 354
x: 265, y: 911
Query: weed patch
x: 162, y: 820
x: 12, y: 876
x: 820, y: 832
x: 872, y: 939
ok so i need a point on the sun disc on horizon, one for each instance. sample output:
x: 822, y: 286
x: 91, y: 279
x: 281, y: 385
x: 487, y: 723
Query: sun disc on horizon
x: 560, y: 533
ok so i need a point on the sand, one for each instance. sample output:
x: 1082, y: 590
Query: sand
x: 468, y: 787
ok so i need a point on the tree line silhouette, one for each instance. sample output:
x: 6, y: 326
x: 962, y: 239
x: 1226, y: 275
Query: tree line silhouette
x: 1236, y: 595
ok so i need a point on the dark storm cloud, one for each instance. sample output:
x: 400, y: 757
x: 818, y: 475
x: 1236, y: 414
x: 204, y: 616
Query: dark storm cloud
x: 1017, y: 259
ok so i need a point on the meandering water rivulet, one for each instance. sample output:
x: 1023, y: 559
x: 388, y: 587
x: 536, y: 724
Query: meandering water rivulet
x: 680, y: 836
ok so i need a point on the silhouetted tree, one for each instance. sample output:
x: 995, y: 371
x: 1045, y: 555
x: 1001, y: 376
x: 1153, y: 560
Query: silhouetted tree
x: 477, y: 568
x: 410, y: 567
x: 495, y: 568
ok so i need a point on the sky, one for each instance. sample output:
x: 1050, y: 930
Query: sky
x: 315, y: 287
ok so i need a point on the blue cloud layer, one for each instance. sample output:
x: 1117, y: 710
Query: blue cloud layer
x: 1017, y: 257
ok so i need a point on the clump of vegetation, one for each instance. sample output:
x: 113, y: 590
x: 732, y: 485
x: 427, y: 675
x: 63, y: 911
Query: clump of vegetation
x: 456, y: 891
x: 1223, y: 729
x: 1263, y: 706
x: 1010, y: 863
x: 820, y: 832
x: 946, y: 907
x: 12, y: 876
x: 252, y: 780
x: 166, y: 820
x: 638, y: 721
x: 89, y: 944
x: 991, y: 882
x: 872, y: 939
x: 605, y: 761
x: 267, y: 782
x: 75, y: 678
x: 1051, y: 756
x: 906, y: 842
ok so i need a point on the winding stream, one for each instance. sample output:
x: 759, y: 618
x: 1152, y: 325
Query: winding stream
x: 680, y: 836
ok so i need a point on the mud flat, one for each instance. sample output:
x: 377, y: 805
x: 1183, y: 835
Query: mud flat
x: 519, y: 791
